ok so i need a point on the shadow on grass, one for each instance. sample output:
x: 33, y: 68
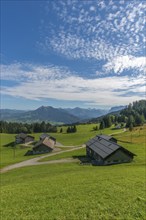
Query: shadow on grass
x: 11, y: 144
x: 84, y: 160
x: 128, y: 142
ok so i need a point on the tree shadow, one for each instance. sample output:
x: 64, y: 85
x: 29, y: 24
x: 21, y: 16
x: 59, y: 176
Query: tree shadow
x: 11, y: 144
x: 84, y: 160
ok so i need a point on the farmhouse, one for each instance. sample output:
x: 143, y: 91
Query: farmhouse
x: 23, y: 138
x: 105, y: 151
x: 41, y: 147
x: 43, y: 136
x: 44, y: 146
x: 108, y: 138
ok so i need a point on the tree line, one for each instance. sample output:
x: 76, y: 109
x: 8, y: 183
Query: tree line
x: 15, y: 127
x: 133, y: 115
x: 70, y: 129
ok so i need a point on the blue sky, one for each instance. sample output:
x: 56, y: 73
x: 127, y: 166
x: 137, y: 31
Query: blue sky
x: 72, y: 53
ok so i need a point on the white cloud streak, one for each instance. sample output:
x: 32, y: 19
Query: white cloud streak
x: 59, y: 83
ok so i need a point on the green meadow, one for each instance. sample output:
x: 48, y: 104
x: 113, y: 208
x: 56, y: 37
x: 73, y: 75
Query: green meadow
x: 73, y: 191
x: 10, y: 155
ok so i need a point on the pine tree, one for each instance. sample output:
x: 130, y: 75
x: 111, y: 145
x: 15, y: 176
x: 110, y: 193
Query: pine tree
x: 102, y: 125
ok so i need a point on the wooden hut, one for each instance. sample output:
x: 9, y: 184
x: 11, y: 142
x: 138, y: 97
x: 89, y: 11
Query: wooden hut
x: 105, y: 152
x: 23, y: 138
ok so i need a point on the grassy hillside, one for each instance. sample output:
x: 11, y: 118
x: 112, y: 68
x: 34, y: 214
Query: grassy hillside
x: 133, y: 141
x: 84, y: 132
x: 9, y: 154
x: 75, y: 192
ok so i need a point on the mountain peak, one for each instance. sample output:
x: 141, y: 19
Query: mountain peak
x: 44, y: 107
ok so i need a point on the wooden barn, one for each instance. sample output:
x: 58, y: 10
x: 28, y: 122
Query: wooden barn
x: 23, y: 138
x: 41, y: 147
x: 105, y: 151
x: 108, y: 138
x: 43, y: 136
x: 44, y: 146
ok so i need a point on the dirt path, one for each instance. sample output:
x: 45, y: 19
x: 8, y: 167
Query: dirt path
x: 118, y: 132
x: 35, y: 161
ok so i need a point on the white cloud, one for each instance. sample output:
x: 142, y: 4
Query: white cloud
x: 59, y: 83
x: 96, y: 29
x: 28, y: 72
x: 126, y: 62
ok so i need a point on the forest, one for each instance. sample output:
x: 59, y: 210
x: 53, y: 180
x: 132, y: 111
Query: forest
x: 15, y: 127
x: 133, y: 115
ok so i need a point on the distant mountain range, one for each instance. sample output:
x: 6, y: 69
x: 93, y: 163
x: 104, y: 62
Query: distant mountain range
x: 54, y: 115
x: 86, y: 113
x: 116, y: 108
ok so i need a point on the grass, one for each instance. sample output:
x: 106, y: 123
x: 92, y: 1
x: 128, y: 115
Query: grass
x: 70, y: 191
x: 74, y: 192
x: 137, y: 146
x: 83, y: 134
x: 10, y: 155
x: 74, y: 153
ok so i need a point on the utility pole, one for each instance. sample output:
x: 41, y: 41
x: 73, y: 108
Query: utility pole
x: 131, y: 136
x: 14, y: 153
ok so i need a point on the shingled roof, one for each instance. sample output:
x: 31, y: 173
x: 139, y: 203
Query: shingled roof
x: 47, y: 142
x: 107, y: 137
x: 43, y: 136
x: 23, y: 135
x: 104, y: 147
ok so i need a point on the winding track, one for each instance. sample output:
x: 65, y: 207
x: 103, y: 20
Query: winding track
x: 35, y: 161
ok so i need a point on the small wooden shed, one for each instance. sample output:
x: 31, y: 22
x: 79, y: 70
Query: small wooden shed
x: 23, y: 138
x: 105, y: 152
x: 43, y: 136
x: 44, y: 146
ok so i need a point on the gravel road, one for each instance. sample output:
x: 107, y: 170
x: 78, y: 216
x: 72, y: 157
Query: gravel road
x: 35, y: 161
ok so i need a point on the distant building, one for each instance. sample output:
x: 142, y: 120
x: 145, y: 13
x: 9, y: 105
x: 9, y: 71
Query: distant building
x: 43, y: 146
x: 43, y: 136
x: 53, y: 139
x: 23, y: 138
x: 118, y: 127
x: 103, y: 150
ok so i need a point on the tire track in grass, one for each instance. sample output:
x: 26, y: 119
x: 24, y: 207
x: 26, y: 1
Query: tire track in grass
x: 35, y: 161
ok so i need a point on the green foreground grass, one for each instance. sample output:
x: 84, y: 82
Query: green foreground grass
x: 75, y: 192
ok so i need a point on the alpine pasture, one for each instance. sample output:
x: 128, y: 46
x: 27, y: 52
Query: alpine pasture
x: 72, y: 191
